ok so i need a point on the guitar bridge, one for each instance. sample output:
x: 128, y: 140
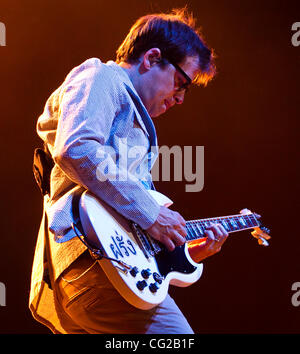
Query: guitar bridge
x: 147, y: 245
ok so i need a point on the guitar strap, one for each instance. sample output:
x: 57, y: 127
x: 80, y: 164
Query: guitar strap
x: 42, y: 166
x: 48, y: 272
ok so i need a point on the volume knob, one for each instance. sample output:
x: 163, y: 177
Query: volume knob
x: 158, y: 278
x: 134, y: 271
x: 153, y: 287
x: 146, y: 273
x: 141, y: 284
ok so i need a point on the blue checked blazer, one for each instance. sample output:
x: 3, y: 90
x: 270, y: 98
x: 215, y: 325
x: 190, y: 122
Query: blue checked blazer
x: 102, y: 139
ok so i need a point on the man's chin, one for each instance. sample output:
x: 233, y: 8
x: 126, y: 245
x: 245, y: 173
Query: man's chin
x: 158, y: 112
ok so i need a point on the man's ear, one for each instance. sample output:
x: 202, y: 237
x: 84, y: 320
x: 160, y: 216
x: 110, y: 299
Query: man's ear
x: 151, y: 58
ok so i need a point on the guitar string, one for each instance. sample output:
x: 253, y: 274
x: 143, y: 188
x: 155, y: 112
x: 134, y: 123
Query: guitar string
x: 201, y: 224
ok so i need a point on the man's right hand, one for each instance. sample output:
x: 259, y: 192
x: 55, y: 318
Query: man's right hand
x: 169, y: 228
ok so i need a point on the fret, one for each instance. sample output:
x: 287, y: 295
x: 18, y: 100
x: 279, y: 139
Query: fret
x: 190, y: 232
x: 201, y: 230
x: 242, y: 221
x: 194, y: 230
x: 225, y: 225
x: 205, y: 224
x: 233, y: 224
x: 250, y: 220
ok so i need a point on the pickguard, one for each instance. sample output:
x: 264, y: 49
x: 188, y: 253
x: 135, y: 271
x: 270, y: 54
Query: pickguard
x: 175, y: 261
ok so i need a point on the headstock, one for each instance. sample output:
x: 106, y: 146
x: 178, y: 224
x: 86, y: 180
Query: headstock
x: 261, y: 233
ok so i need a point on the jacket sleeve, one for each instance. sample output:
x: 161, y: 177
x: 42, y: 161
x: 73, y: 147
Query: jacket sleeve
x: 89, y: 102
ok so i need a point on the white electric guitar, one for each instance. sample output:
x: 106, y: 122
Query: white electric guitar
x: 138, y: 266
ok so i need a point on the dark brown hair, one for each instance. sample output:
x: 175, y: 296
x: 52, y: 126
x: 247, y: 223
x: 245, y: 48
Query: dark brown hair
x: 177, y: 37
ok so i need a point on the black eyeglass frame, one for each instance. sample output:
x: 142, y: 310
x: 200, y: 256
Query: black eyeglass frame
x: 187, y: 84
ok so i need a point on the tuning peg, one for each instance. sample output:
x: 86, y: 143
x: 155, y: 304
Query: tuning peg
x: 261, y: 236
x: 265, y: 229
x: 262, y: 241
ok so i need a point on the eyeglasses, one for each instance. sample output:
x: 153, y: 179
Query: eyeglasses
x: 185, y: 86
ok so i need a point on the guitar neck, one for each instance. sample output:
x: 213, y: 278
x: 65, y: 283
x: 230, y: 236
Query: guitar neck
x: 233, y: 223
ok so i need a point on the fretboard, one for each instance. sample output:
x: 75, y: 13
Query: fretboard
x: 233, y: 223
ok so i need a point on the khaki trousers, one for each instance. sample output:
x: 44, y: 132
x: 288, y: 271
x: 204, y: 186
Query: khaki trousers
x: 88, y: 303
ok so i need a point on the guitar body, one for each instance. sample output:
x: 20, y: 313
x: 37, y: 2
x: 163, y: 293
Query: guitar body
x: 141, y: 278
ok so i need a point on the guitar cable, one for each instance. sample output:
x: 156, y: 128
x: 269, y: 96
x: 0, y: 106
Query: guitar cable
x: 97, y: 253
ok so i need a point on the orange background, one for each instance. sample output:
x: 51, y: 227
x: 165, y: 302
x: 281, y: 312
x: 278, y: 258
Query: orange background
x: 247, y: 120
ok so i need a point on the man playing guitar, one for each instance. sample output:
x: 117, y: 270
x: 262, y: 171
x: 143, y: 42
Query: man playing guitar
x: 101, y: 105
